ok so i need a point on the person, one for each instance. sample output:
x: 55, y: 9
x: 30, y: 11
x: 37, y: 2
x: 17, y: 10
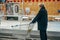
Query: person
x: 42, y: 20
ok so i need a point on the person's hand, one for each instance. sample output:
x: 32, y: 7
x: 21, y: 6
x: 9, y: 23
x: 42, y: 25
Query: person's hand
x: 30, y: 24
x: 29, y: 30
x: 30, y: 27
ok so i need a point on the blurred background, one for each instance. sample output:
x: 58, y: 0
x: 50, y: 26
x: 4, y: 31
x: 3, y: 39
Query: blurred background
x: 15, y: 15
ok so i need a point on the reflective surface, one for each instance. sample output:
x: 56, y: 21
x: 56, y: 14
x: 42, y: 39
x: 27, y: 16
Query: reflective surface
x: 15, y: 33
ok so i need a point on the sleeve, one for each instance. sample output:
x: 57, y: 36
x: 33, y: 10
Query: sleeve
x: 37, y: 17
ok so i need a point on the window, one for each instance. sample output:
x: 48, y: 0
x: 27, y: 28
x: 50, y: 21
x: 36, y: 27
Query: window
x: 45, y: 0
x: 58, y: 0
x: 36, y: 0
x: 25, y: 0
x: 41, y: 0
x: 53, y: 0
x: 49, y: 0
x: 32, y: 0
x: 14, y: 0
x: 29, y: 0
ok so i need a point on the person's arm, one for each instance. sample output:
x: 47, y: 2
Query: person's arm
x: 37, y: 17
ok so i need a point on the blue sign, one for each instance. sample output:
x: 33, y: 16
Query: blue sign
x: 58, y: 11
x: 2, y: 1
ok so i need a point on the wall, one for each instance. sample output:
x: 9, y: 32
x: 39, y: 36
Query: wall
x: 52, y: 6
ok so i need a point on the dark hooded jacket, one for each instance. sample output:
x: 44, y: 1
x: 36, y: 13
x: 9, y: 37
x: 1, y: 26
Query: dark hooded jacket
x: 41, y: 19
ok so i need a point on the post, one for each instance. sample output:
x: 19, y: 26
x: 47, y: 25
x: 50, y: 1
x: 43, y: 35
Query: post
x: 23, y: 7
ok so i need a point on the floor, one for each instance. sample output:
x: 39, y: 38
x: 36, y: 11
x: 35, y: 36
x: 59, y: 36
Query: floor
x: 53, y: 27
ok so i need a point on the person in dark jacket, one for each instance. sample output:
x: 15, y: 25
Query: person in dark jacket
x: 42, y: 20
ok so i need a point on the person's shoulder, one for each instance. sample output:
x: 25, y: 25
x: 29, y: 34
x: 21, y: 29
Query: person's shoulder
x: 44, y: 10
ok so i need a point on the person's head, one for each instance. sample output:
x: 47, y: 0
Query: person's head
x: 41, y: 6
